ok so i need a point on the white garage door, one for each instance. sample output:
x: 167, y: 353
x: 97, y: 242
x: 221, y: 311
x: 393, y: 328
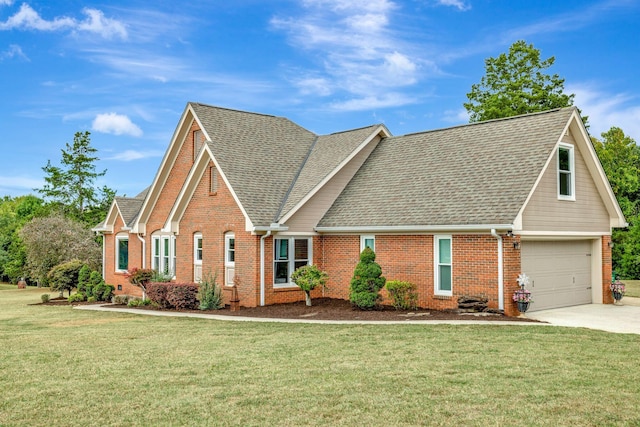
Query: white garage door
x: 560, y: 272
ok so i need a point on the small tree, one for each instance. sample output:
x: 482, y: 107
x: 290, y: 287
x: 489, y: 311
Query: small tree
x: 64, y: 277
x: 83, y: 278
x: 367, y: 282
x: 141, y: 277
x: 308, y: 278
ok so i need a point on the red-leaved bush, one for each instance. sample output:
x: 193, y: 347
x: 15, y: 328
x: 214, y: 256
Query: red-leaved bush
x: 173, y: 295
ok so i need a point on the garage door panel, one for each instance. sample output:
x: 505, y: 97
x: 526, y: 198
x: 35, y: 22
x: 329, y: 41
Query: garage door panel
x: 560, y: 272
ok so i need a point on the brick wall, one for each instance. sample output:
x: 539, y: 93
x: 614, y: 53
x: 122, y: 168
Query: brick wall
x: 607, y: 298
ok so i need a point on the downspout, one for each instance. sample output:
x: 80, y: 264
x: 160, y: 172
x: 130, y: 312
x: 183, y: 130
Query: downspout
x: 144, y: 251
x: 500, y: 270
x: 104, y: 253
x: 262, y: 239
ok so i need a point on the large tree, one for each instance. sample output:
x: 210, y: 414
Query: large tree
x: 620, y: 158
x: 71, y: 186
x: 516, y: 83
x: 55, y: 239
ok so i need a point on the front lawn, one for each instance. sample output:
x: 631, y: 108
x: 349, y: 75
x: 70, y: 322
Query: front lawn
x: 632, y: 288
x: 70, y: 367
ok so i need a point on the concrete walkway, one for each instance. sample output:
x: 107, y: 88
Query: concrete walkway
x: 622, y: 318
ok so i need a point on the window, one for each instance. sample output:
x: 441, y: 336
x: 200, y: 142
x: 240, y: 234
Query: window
x: 566, y: 179
x: 197, y: 143
x: 289, y: 254
x: 164, y: 254
x: 367, y: 241
x: 442, y: 265
x: 213, y: 181
x: 122, y: 253
x: 229, y: 258
x: 197, y: 248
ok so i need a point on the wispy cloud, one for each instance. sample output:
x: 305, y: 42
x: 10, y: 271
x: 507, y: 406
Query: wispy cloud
x: 130, y: 155
x: 14, y: 51
x: 359, y: 53
x: 19, y: 183
x: 458, y: 4
x: 6, y: 2
x: 116, y: 124
x: 606, y: 110
x: 95, y: 22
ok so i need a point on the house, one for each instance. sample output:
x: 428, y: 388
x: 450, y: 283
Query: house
x: 457, y: 211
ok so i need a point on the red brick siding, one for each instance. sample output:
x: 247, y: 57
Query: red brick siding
x: 112, y: 277
x: 607, y: 298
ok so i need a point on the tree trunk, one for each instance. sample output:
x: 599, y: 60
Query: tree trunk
x: 307, y: 297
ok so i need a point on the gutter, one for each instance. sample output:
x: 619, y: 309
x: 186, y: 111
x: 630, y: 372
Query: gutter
x: 414, y: 228
x: 500, y: 269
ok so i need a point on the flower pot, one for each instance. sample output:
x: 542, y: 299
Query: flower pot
x: 617, y: 296
x: 523, y: 306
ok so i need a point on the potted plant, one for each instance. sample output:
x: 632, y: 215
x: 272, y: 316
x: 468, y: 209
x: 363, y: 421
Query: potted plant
x: 522, y: 296
x: 617, y: 290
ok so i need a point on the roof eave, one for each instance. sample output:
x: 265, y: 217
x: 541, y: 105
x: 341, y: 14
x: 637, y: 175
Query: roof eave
x: 416, y: 228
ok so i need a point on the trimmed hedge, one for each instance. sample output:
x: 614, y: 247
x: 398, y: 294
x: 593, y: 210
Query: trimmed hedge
x: 181, y: 296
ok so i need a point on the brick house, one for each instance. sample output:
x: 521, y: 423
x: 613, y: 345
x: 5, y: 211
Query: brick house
x: 457, y: 211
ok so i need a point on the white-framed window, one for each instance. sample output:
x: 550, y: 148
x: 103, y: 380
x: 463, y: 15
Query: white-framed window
x: 288, y: 254
x: 198, y: 141
x: 229, y: 258
x: 566, y: 172
x: 197, y: 248
x: 443, y: 265
x: 122, y: 253
x: 367, y: 241
x: 163, y: 254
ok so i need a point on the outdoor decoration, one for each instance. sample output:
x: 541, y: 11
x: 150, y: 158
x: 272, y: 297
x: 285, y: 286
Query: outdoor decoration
x: 522, y: 296
x: 617, y: 290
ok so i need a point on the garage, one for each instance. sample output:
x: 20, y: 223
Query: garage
x: 559, y: 272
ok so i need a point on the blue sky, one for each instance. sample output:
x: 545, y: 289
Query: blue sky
x: 125, y: 70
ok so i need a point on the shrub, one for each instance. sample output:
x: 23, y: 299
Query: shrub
x: 45, y: 297
x: 91, y: 299
x: 64, y: 277
x: 77, y: 297
x: 183, y: 296
x: 121, y: 300
x: 83, y: 278
x: 160, y: 277
x: 157, y: 292
x: 364, y: 290
x: 307, y: 278
x: 102, y: 291
x: 403, y: 294
x: 210, y: 293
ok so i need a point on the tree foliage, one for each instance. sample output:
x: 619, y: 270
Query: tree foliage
x: 367, y: 281
x: 620, y: 159
x: 308, y: 278
x: 71, y: 186
x: 64, y: 277
x: 54, y: 239
x: 516, y: 83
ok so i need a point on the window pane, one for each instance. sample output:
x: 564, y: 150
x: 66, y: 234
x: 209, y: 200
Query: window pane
x: 282, y: 249
x: 564, y: 159
x: 123, y: 254
x: 565, y: 184
x: 444, y: 251
x: 281, y: 273
x: 445, y: 277
x: 370, y: 243
x: 301, y: 249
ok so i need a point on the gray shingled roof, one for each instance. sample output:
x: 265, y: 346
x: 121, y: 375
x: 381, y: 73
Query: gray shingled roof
x: 129, y: 208
x: 327, y: 153
x: 479, y: 173
x: 259, y: 154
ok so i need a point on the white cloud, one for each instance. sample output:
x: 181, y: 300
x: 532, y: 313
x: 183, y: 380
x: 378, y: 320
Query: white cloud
x: 130, y: 155
x: 13, y: 52
x: 19, y: 183
x: 606, y: 110
x: 116, y: 124
x: 458, y: 4
x: 357, y: 51
x: 6, y: 2
x: 28, y: 19
x: 373, y: 102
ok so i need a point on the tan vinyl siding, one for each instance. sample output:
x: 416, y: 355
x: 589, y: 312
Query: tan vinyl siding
x: 545, y: 212
x: 305, y: 219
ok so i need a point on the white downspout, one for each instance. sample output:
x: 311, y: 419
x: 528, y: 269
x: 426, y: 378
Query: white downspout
x: 500, y: 270
x: 104, y: 253
x: 262, y: 239
x: 144, y: 251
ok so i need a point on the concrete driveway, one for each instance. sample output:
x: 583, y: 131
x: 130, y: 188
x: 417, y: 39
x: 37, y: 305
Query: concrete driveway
x: 620, y: 318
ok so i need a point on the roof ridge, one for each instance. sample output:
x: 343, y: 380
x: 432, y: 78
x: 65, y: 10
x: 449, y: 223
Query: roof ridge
x: 236, y: 110
x: 354, y: 130
x: 519, y: 116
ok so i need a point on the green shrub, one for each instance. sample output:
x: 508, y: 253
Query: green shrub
x: 367, y: 281
x: 135, y: 302
x: 91, y: 299
x: 160, y: 277
x: 210, y: 293
x: 95, y: 278
x: 77, y: 297
x: 83, y: 278
x: 307, y: 278
x: 45, y: 297
x: 102, y: 291
x: 64, y: 277
x: 403, y: 294
x: 121, y: 300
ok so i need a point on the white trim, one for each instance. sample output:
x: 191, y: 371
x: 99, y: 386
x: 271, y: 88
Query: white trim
x: 430, y: 229
x: 568, y: 234
x: 167, y: 260
x: 571, y: 172
x: 120, y: 237
x: 364, y: 238
x: 197, y: 236
x: 436, y: 264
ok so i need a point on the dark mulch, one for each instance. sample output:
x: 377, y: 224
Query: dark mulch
x: 337, y: 309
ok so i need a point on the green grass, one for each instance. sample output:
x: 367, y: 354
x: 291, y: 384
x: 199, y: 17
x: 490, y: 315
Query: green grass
x: 632, y: 288
x: 69, y: 367
x: 7, y: 286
